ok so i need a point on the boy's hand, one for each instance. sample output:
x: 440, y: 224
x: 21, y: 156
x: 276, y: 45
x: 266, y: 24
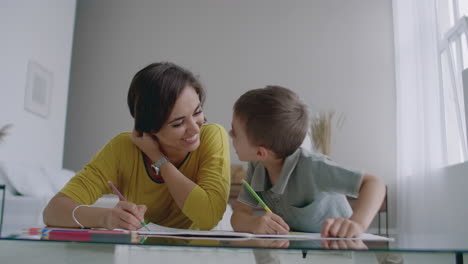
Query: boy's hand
x: 341, y: 227
x: 270, y: 223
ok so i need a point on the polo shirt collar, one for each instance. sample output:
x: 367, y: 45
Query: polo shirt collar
x: 259, y: 181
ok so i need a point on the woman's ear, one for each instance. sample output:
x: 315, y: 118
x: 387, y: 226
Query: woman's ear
x: 154, y: 135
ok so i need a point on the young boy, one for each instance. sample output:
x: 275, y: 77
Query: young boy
x: 305, y: 191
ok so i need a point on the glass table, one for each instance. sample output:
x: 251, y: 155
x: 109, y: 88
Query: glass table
x: 424, y: 248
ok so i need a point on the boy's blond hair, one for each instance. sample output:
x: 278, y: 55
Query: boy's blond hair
x: 274, y: 118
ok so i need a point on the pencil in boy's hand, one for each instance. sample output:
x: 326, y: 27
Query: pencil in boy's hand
x: 122, y: 198
x: 254, y: 194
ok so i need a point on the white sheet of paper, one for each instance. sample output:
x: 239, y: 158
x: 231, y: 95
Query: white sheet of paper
x: 168, y: 231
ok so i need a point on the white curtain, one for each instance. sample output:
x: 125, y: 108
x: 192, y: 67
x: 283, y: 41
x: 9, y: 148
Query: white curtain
x: 421, y: 147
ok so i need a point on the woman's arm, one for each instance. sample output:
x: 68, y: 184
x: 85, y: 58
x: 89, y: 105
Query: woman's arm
x: 87, y: 186
x: 205, y: 200
x: 58, y: 212
x: 125, y: 215
x: 178, y: 184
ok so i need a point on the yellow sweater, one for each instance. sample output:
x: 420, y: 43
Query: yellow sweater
x: 121, y: 162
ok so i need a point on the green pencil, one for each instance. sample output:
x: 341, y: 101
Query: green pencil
x: 262, y: 203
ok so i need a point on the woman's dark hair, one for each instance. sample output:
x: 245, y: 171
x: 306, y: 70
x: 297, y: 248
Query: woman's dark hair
x: 154, y: 91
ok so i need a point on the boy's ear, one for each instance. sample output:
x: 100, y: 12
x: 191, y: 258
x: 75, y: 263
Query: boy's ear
x: 262, y: 153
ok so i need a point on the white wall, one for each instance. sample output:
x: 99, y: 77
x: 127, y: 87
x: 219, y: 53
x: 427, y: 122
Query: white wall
x: 41, y: 31
x: 337, y: 54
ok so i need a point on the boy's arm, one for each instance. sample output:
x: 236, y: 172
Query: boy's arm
x: 243, y: 220
x: 371, y: 195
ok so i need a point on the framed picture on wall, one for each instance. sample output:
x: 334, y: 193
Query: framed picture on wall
x: 38, y: 89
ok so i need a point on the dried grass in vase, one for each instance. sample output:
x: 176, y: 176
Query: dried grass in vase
x: 321, y: 127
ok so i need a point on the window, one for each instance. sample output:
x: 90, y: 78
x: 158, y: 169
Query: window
x: 453, y: 57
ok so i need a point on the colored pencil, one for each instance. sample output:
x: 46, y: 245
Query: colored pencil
x: 91, y: 236
x: 40, y: 231
x: 122, y: 198
x: 255, y: 195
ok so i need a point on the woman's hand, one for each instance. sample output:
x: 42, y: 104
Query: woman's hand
x: 147, y: 143
x: 125, y: 215
x: 341, y: 227
x: 269, y: 223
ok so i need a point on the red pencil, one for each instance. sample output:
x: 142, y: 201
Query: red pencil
x: 40, y: 230
x: 91, y: 236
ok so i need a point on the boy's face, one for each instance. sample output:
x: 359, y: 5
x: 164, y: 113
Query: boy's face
x: 244, y: 150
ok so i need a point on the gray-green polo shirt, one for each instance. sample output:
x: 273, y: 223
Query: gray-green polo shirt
x: 311, y: 188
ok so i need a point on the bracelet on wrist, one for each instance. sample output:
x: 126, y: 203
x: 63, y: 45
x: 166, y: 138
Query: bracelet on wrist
x: 74, y: 217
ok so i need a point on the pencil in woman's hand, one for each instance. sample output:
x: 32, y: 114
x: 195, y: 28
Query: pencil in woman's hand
x: 122, y: 198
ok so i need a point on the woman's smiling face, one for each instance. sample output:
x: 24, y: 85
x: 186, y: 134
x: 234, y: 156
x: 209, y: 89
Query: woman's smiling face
x: 181, y: 132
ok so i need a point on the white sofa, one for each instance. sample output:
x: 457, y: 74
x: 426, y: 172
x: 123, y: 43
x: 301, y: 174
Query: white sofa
x: 28, y: 189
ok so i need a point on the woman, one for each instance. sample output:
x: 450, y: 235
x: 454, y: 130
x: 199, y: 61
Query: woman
x: 172, y: 169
